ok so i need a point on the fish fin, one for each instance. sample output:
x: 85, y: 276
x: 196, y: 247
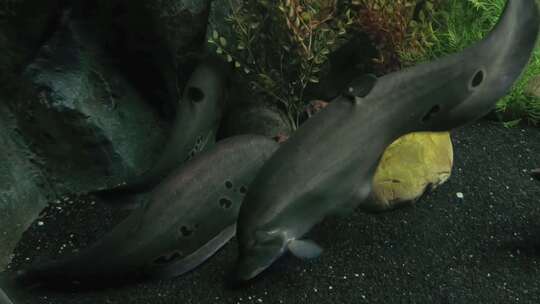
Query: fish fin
x: 305, y: 249
x: 360, y: 86
x: 195, y: 259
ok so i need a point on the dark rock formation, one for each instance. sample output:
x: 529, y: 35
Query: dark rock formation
x: 82, y: 115
x: 24, y: 189
x: 24, y: 24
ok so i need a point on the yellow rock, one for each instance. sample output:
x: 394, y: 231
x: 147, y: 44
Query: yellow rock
x: 409, y: 165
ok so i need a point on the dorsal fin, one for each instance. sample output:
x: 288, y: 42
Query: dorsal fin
x: 360, y: 86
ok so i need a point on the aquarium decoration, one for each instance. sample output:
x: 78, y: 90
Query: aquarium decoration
x: 202, y: 187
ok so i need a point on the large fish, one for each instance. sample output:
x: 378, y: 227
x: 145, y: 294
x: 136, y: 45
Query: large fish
x: 4, y: 298
x: 317, y: 172
x: 189, y: 216
x: 197, y: 119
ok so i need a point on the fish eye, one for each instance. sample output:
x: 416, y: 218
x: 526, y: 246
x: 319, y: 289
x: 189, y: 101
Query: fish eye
x: 477, y: 79
x: 195, y: 94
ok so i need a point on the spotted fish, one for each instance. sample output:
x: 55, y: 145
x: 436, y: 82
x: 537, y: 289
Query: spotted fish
x: 189, y: 216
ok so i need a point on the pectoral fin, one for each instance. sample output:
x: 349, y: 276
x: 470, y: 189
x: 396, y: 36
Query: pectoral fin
x: 304, y: 249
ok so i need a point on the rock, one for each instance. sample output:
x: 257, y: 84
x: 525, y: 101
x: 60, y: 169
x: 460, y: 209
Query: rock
x: 24, y: 189
x: 23, y: 26
x: 219, y: 11
x: 181, y: 25
x: 410, y: 165
x: 533, y: 87
x: 82, y: 116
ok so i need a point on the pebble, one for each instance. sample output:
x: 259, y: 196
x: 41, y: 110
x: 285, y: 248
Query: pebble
x: 459, y: 195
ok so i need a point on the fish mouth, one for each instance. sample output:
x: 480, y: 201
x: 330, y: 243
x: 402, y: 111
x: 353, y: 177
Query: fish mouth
x: 250, y: 267
x: 246, y: 271
x: 258, y: 259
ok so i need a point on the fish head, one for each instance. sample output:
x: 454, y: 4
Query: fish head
x: 258, y: 253
x: 200, y: 109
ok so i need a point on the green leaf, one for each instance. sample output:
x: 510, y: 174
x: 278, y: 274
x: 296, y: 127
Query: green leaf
x: 223, y: 41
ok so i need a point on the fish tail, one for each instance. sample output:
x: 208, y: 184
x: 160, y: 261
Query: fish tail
x: 9, y: 289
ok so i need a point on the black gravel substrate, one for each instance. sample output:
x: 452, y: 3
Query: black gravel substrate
x: 483, y: 248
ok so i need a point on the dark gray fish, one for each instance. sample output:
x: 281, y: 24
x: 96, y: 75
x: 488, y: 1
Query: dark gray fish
x: 189, y: 216
x: 197, y: 119
x: 328, y: 165
x: 4, y: 298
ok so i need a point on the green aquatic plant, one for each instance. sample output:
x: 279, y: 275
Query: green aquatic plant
x: 392, y: 28
x: 281, y: 46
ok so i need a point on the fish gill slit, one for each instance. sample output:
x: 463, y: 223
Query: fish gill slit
x: 429, y: 115
x: 477, y: 79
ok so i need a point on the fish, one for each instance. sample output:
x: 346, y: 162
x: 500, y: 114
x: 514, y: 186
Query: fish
x: 4, y: 298
x: 327, y: 166
x: 198, y: 116
x: 189, y: 216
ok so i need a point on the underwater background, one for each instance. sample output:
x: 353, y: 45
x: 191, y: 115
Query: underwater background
x: 91, y: 94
